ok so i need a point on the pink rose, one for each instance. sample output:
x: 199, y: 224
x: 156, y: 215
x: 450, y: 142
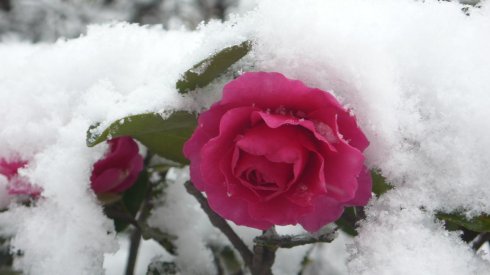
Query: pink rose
x: 17, y: 185
x: 119, y: 168
x: 276, y: 152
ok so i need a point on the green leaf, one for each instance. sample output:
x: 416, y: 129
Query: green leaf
x: 118, y: 212
x: 130, y: 203
x: 380, y: 185
x: 347, y: 222
x: 163, y: 136
x: 108, y: 198
x: 8, y: 271
x: 134, y: 196
x: 226, y: 259
x: 163, y: 238
x: 477, y: 224
x: 210, y: 68
x: 162, y: 268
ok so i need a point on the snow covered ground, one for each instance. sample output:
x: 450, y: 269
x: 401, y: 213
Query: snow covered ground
x: 416, y: 73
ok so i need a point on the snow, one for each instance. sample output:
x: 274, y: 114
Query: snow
x: 181, y: 216
x: 426, y: 247
x: 415, y: 74
x: 49, y: 95
x: 115, y: 264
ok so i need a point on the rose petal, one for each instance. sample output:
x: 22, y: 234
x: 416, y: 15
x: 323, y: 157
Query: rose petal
x: 285, y: 144
x: 363, y: 192
x: 276, y: 121
x: 279, y: 211
x: 208, y: 127
x: 107, y: 180
x: 20, y: 186
x: 342, y: 164
x: 134, y: 168
x: 121, y: 151
x: 277, y: 175
x: 311, y: 184
x: 119, y: 168
x: 273, y: 90
x: 234, y: 186
x: 341, y: 170
x: 351, y: 132
x: 9, y: 168
x: 325, y: 210
x: 232, y: 124
x: 275, y: 172
x: 234, y: 209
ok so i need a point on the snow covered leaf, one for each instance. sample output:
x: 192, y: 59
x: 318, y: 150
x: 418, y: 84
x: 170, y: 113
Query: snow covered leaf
x: 162, y: 268
x: 207, y: 70
x: 163, y: 136
x: 477, y: 224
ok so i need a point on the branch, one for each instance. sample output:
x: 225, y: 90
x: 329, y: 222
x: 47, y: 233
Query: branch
x: 289, y: 241
x: 144, y: 212
x: 221, y: 224
x: 264, y: 256
x: 480, y: 240
x: 133, y: 251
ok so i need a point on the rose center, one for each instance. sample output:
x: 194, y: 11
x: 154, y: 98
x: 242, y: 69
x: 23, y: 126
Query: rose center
x: 257, y: 179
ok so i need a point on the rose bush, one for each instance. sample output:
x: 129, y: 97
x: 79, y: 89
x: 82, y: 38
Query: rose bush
x: 118, y: 170
x: 276, y: 152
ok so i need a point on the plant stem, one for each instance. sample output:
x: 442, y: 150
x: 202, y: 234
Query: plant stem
x: 289, y: 241
x: 222, y: 225
x: 144, y: 212
x: 133, y: 251
x: 264, y: 255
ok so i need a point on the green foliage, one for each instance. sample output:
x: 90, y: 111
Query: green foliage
x: 122, y: 208
x: 477, y: 224
x: 380, y: 186
x: 164, y: 239
x: 133, y: 197
x: 163, y: 136
x: 210, y: 68
x: 162, y: 268
x: 347, y: 222
x: 225, y: 260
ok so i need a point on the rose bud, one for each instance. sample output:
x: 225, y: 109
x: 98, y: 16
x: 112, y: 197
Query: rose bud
x: 276, y: 152
x: 118, y: 170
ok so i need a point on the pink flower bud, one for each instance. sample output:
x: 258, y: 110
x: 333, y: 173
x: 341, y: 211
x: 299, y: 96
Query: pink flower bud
x: 118, y: 170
